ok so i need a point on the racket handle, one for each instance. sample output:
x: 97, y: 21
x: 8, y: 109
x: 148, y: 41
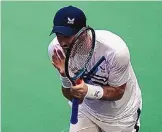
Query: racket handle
x: 74, y: 115
x: 75, y: 105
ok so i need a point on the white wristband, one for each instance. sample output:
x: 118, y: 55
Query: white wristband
x: 94, y: 92
x: 66, y: 83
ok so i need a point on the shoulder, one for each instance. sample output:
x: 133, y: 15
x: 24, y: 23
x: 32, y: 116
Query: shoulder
x: 122, y: 57
x: 110, y: 40
x: 105, y: 35
x: 114, y: 47
x: 54, y: 44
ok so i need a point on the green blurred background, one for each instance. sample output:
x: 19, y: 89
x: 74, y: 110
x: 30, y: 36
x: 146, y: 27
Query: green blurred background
x: 31, y: 95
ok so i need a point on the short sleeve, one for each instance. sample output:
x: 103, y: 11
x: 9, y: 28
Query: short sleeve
x: 119, y: 71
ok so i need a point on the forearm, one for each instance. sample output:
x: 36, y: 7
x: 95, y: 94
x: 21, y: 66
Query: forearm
x: 93, y: 92
x: 108, y: 93
x: 112, y: 93
x: 67, y: 94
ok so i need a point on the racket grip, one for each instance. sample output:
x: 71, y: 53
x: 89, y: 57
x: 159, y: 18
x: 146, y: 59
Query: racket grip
x: 74, y: 115
x: 75, y: 105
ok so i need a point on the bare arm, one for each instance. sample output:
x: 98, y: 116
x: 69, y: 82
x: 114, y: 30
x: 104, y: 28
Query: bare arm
x: 113, y: 93
x: 67, y: 94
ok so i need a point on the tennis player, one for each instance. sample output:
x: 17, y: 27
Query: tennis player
x: 111, y: 101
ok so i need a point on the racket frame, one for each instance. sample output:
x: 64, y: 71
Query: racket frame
x: 75, y: 101
x: 78, y: 76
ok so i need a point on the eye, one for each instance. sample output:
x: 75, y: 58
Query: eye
x: 58, y: 34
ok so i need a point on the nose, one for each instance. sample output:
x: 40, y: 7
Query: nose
x: 62, y: 41
x: 64, y: 44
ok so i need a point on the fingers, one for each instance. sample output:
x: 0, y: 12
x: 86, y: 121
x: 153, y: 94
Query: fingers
x: 55, y: 56
x: 58, y: 57
x: 78, y: 95
x: 60, y: 54
x: 54, y: 64
x: 79, y: 91
x: 74, y: 91
x: 78, y: 86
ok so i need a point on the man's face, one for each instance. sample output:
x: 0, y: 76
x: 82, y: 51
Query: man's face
x: 64, y: 41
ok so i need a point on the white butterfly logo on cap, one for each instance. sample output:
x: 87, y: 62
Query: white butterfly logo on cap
x: 71, y: 21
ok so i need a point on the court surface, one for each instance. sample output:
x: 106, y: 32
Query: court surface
x: 31, y: 95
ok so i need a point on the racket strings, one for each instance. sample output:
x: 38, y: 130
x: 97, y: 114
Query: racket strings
x: 80, y: 54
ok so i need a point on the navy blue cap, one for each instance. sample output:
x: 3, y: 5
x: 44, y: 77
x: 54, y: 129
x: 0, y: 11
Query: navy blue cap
x: 68, y: 21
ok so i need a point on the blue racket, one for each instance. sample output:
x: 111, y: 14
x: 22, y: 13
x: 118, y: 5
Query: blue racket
x: 78, y: 56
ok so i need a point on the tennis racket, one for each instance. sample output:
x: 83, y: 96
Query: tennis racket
x: 77, y: 59
x: 94, y: 69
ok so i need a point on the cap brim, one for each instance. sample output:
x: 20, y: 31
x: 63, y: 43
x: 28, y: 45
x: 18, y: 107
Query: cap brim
x: 66, y: 31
